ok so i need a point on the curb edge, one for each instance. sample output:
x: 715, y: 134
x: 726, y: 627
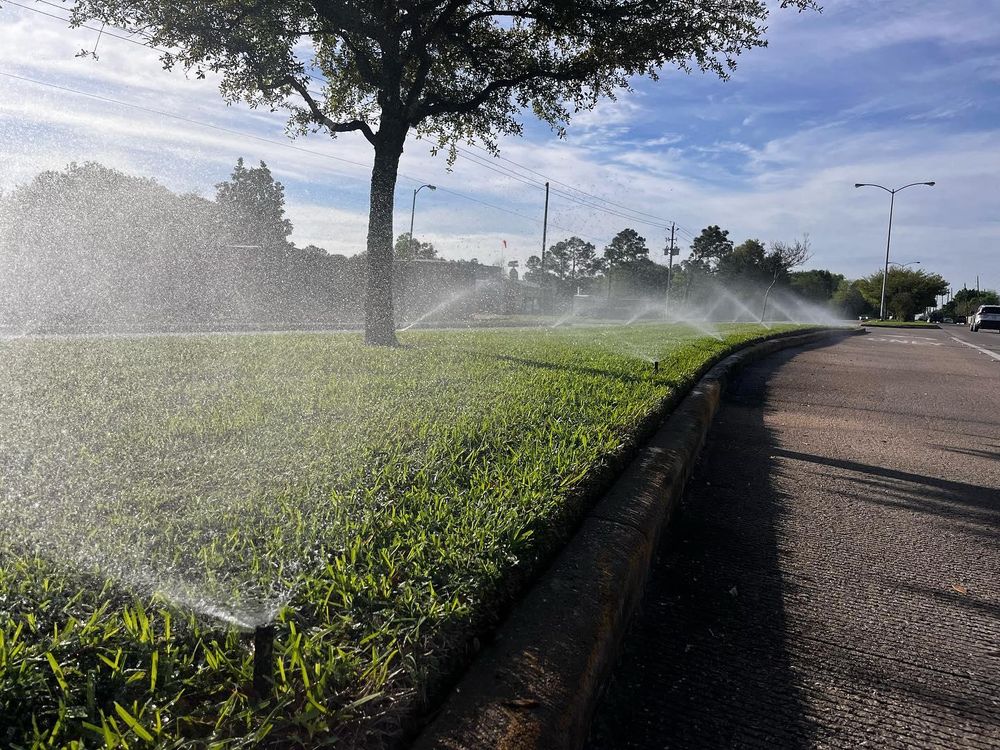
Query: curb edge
x: 537, y: 685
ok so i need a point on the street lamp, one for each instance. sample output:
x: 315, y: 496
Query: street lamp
x: 888, y: 239
x: 413, y: 208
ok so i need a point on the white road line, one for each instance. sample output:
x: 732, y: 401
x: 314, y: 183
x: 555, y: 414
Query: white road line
x: 984, y: 351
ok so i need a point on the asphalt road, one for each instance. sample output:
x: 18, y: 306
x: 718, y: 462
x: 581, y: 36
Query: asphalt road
x: 832, y: 576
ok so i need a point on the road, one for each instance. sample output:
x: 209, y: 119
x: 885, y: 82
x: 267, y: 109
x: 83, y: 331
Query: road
x: 832, y: 576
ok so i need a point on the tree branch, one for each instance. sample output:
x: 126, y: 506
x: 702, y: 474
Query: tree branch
x: 321, y: 117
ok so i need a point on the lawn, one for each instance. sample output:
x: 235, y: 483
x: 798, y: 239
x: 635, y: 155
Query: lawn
x: 162, y: 496
x: 899, y: 324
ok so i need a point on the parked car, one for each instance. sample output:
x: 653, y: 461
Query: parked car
x: 987, y: 316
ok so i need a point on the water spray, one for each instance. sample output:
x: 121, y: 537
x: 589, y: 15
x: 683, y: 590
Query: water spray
x: 263, y: 660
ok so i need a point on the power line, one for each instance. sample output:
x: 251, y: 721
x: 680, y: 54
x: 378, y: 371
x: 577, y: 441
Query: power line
x: 230, y: 131
x: 103, y: 31
x: 658, y: 220
x: 633, y: 215
x: 182, y: 118
x: 499, y: 169
x: 463, y: 153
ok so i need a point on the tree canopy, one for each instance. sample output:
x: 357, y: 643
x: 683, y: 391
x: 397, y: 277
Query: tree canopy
x: 450, y: 69
x: 410, y: 248
x: 907, y: 291
x: 253, y: 207
x: 711, y: 245
x: 967, y: 301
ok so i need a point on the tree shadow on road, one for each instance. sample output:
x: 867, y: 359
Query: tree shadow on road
x: 706, y: 663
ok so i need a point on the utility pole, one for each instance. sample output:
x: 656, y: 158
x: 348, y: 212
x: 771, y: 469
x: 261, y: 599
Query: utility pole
x: 671, y: 252
x: 545, y: 228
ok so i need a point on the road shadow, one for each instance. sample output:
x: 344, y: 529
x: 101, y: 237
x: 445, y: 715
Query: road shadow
x: 706, y: 664
x: 970, y: 504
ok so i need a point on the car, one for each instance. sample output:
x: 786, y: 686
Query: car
x: 987, y: 316
x: 948, y: 320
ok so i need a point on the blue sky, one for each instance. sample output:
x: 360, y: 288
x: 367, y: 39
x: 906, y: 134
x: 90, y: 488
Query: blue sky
x: 866, y: 91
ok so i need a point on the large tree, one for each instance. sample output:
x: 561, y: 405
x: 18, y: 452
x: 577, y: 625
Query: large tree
x: 967, y: 301
x: 625, y: 248
x: 712, y: 246
x: 253, y: 208
x: 573, y: 259
x: 450, y: 69
x: 817, y: 286
x: 907, y: 291
x: 410, y: 248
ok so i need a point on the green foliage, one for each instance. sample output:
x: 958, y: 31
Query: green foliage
x: 572, y: 260
x: 711, y: 246
x: 410, y: 248
x: 452, y: 70
x: 745, y: 262
x: 252, y: 204
x: 817, y: 286
x: 625, y: 247
x: 393, y: 500
x: 967, y: 301
x: 89, y: 247
x: 850, y: 300
x: 907, y: 291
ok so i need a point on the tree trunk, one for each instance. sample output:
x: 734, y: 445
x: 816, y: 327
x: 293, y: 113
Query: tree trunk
x: 380, y: 324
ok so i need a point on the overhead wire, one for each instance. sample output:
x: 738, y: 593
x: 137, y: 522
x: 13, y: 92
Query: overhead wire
x: 263, y: 139
x: 658, y: 220
x: 104, y: 31
x: 462, y: 152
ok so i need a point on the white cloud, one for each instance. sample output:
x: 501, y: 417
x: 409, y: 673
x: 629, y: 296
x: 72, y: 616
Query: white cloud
x: 690, y: 149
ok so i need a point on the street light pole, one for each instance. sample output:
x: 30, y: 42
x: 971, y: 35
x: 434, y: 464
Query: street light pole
x: 888, y: 239
x: 413, y: 208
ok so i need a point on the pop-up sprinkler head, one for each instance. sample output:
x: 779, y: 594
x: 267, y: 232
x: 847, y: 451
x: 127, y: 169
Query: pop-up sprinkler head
x: 656, y: 365
x: 263, y: 661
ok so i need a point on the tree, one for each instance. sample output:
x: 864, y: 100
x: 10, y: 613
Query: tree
x: 967, y: 301
x: 253, y: 208
x: 626, y: 247
x: 744, y: 262
x: 850, y: 301
x: 410, y: 248
x: 573, y: 259
x: 711, y: 246
x: 450, y: 69
x: 786, y: 256
x: 907, y: 291
x: 817, y: 286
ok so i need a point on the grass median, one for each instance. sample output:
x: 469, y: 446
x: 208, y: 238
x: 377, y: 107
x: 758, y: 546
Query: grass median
x: 380, y: 508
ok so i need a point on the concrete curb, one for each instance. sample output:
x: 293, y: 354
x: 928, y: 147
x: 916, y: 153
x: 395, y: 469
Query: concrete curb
x: 536, y: 686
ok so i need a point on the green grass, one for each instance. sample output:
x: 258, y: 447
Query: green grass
x: 899, y: 324
x: 384, y: 505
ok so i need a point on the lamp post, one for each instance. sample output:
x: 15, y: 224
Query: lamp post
x: 888, y: 238
x: 413, y: 208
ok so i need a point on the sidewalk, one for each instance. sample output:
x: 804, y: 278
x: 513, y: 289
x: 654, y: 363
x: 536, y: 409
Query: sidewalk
x: 832, y: 577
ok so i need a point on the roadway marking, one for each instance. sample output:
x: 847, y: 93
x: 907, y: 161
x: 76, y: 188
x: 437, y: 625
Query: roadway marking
x: 902, y: 340
x: 979, y: 348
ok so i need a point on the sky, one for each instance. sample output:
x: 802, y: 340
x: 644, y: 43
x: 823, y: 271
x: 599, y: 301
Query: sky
x: 865, y: 91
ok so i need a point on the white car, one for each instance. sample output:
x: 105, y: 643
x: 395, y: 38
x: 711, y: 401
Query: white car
x: 987, y: 316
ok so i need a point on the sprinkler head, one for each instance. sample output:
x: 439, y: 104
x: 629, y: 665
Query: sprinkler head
x: 263, y: 661
x: 656, y: 365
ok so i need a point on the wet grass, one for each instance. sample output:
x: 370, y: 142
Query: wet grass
x: 899, y: 324
x: 160, y: 495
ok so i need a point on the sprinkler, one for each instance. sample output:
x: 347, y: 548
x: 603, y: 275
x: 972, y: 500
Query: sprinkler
x: 263, y: 660
x: 656, y: 365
